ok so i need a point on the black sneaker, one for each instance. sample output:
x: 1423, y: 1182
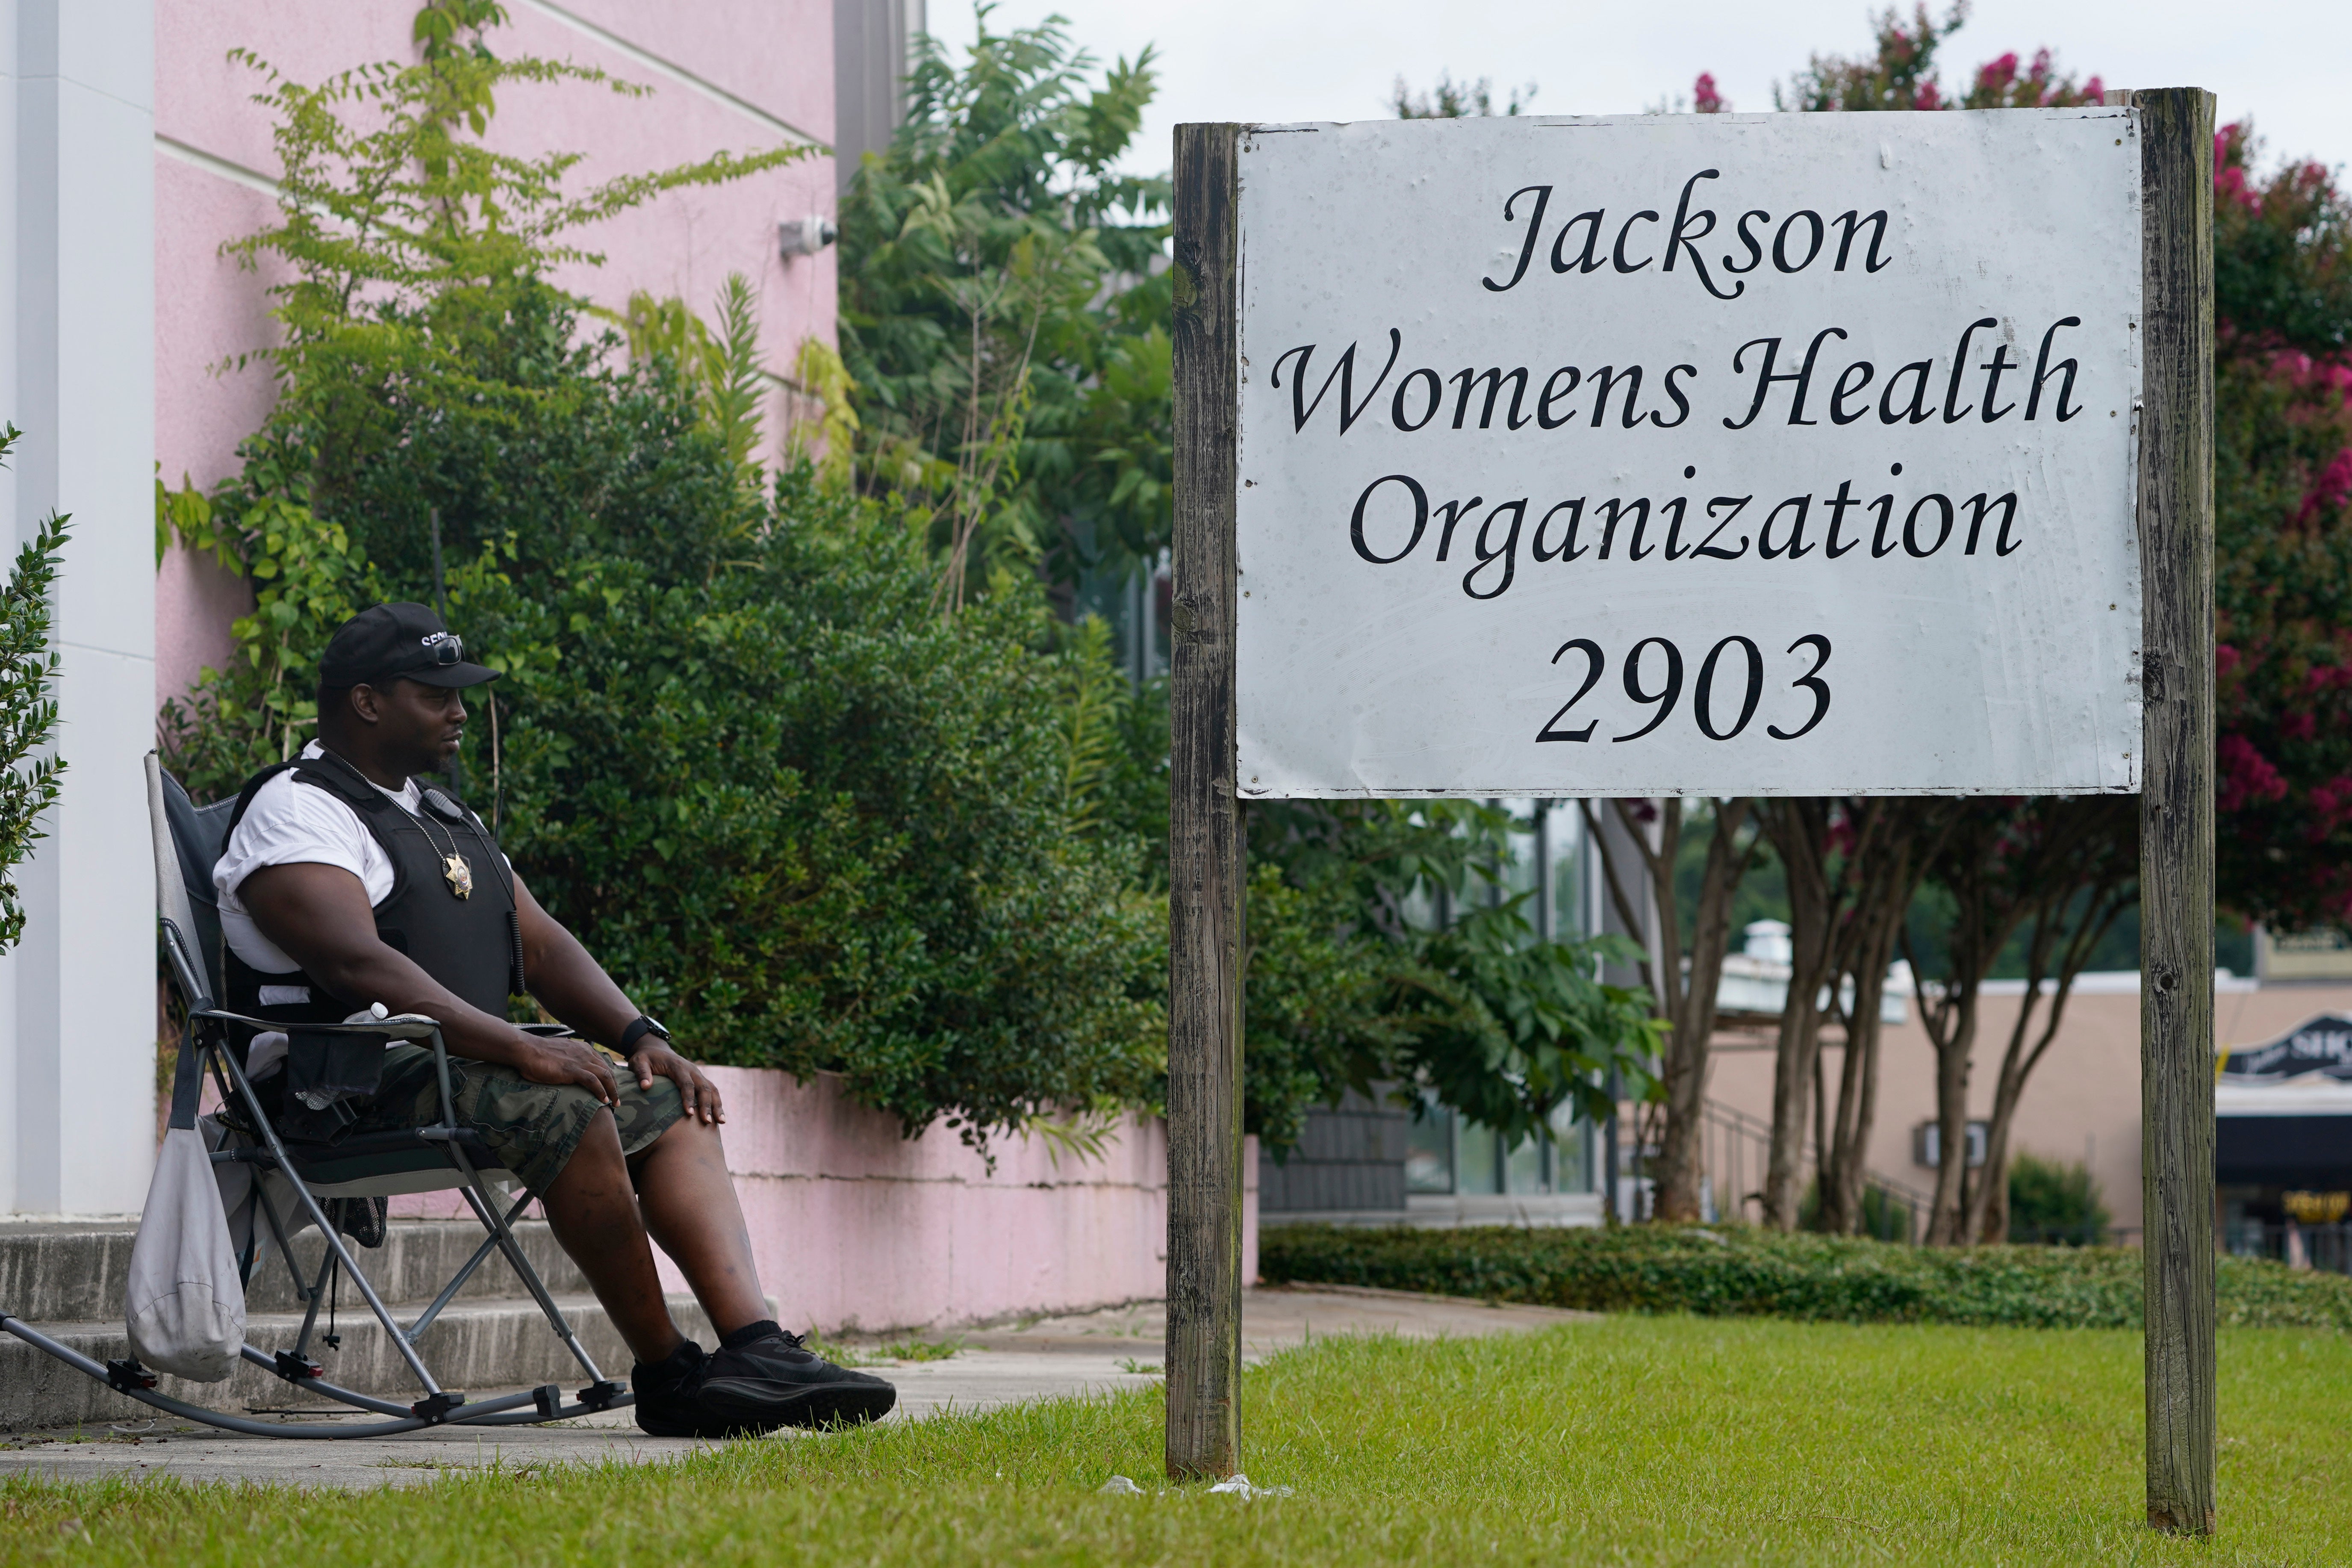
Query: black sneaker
x: 778, y: 1382
x: 668, y: 1394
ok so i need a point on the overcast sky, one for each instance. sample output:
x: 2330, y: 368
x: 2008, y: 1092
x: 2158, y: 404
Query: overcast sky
x: 2284, y: 62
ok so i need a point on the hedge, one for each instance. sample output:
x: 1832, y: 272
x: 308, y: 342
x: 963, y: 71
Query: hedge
x: 1740, y: 1271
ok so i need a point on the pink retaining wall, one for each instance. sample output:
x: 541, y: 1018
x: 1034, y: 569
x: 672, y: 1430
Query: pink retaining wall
x: 856, y: 1228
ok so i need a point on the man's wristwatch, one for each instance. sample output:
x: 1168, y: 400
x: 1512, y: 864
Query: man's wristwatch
x: 637, y: 1030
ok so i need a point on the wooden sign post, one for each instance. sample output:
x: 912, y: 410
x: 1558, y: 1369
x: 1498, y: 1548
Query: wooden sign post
x: 1205, y: 831
x: 2176, y: 996
x: 1725, y: 454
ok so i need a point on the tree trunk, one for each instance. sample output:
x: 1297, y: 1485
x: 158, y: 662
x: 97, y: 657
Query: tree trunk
x: 1988, y: 1212
x: 1857, y: 1106
x: 1953, y: 1044
x: 1799, y: 829
x: 1685, y: 998
x: 1987, y: 1216
x: 1681, y: 1168
x: 1995, y: 861
x: 1897, y: 839
x: 1988, y: 1221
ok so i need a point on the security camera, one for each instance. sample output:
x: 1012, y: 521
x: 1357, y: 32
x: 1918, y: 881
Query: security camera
x: 805, y: 236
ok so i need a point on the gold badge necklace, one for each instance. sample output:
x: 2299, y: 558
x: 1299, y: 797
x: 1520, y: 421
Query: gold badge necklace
x: 456, y: 869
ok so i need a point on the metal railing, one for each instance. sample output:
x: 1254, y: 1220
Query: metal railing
x: 1735, y: 1151
x: 2325, y: 1247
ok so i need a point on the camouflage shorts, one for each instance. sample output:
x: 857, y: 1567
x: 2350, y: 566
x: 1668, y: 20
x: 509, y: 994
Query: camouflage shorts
x: 531, y: 1127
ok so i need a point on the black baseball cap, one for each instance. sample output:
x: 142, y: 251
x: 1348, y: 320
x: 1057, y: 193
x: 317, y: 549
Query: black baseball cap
x: 387, y: 642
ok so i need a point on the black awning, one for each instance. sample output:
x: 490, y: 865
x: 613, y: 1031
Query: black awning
x: 2313, y: 1151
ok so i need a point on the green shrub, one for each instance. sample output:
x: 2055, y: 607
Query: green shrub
x: 2051, y: 1201
x: 1885, y: 1218
x: 424, y: 363
x: 1738, y: 1271
x: 814, y: 825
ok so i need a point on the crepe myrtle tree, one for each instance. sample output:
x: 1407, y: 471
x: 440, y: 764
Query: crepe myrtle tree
x: 2283, y: 537
x: 1850, y: 865
x: 2052, y: 872
x: 1900, y: 73
x: 1848, y: 887
x: 2283, y: 550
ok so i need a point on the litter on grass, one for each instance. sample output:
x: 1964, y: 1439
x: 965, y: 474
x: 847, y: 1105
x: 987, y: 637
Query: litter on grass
x: 1239, y: 1486
x: 1119, y: 1485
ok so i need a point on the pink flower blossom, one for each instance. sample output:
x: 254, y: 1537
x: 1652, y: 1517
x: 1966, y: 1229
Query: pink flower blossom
x: 2331, y: 489
x: 2229, y: 167
x: 2247, y: 776
x: 2331, y: 802
x: 1705, y: 98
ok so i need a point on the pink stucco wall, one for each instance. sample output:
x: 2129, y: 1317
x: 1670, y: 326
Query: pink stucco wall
x: 857, y: 1228
x: 740, y: 75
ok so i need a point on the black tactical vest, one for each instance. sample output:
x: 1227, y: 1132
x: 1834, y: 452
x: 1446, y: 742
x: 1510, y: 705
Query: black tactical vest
x: 472, y: 946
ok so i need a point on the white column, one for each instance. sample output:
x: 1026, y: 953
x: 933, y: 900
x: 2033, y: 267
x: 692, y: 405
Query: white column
x: 77, y: 377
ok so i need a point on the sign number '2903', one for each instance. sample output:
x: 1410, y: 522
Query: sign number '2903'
x: 1743, y: 672
x: 1569, y: 449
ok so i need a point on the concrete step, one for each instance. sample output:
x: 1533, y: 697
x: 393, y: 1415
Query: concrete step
x: 67, y: 1271
x: 476, y: 1344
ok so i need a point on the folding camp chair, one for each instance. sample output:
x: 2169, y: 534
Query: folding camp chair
x: 307, y: 1176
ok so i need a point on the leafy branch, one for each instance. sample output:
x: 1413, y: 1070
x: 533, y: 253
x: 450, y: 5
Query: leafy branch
x: 28, y: 708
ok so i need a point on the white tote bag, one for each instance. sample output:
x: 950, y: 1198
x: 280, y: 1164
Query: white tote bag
x: 185, y: 1306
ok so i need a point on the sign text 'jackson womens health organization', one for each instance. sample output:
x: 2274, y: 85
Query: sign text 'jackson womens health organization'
x: 1739, y: 454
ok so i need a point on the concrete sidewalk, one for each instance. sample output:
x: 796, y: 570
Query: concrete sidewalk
x: 1045, y: 1358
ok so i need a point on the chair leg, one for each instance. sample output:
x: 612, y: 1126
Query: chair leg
x: 317, y: 1291
x: 279, y: 1234
x: 432, y: 1391
x: 506, y: 1410
x: 457, y: 1281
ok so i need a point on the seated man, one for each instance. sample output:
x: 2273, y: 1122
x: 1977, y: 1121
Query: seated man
x: 345, y: 883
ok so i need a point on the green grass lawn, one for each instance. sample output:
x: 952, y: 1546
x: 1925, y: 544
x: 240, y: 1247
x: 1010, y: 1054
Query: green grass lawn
x: 1665, y: 1439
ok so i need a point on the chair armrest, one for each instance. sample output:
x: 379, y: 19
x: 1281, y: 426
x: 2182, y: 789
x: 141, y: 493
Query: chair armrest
x: 399, y: 1027
x: 441, y: 1080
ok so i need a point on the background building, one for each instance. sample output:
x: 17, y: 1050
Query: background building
x: 1376, y: 1163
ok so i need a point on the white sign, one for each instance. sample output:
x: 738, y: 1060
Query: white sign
x: 1652, y: 455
